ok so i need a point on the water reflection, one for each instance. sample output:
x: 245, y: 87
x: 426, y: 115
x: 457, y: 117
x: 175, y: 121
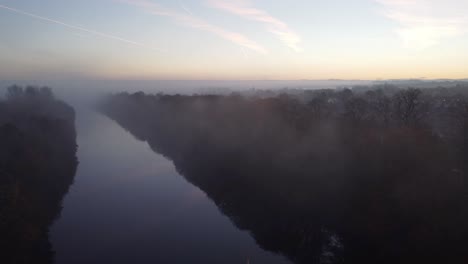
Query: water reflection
x: 129, y: 205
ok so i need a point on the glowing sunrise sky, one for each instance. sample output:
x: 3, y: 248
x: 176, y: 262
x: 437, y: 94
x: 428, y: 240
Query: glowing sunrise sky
x: 236, y: 39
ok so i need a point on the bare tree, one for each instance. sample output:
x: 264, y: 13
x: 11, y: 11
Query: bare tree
x: 406, y: 106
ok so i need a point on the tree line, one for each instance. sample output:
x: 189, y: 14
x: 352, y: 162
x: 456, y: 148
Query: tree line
x: 376, y: 175
x: 37, y: 165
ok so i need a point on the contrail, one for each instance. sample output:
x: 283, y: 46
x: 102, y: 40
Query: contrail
x: 90, y: 31
x: 244, y: 53
x: 186, y: 9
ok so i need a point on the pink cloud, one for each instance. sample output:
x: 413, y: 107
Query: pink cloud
x: 274, y: 25
x: 189, y: 20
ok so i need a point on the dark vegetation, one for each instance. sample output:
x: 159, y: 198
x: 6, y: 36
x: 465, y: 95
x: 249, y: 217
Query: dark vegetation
x: 37, y: 166
x: 368, y: 176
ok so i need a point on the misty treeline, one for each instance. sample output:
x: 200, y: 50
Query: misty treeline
x: 370, y: 176
x: 37, y: 165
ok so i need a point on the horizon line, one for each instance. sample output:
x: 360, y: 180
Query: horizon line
x: 247, y: 80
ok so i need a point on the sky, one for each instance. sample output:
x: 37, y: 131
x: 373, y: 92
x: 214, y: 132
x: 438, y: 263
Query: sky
x: 233, y: 39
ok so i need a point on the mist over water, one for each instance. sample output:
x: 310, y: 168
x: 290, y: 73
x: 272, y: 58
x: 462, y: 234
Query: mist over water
x: 233, y: 132
x: 129, y: 205
x: 258, y: 171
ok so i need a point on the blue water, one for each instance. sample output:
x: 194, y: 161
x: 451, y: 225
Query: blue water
x: 129, y: 205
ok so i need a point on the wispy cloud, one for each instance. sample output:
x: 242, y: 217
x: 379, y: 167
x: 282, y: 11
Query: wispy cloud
x: 425, y: 23
x: 245, y: 9
x: 78, y: 28
x: 189, y: 20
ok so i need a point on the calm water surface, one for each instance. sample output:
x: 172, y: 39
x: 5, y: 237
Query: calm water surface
x: 129, y: 205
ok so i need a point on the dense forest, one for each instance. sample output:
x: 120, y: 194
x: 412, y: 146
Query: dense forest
x: 369, y: 175
x: 37, y: 165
